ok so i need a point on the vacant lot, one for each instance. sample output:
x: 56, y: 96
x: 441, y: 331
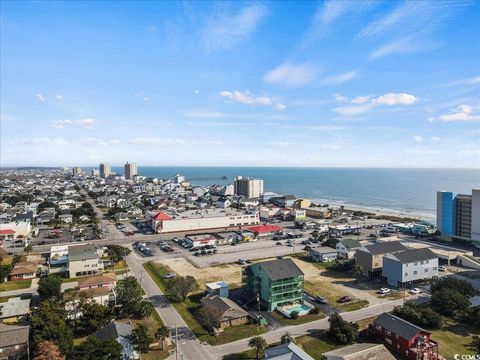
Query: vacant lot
x: 455, y: 338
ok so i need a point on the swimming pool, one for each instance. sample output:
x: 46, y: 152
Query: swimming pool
x: 302, y: 309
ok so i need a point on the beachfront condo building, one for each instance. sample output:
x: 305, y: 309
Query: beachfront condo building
x: 250, y: 188
x: 276, y: 282
x: 458, y: 215
x: 76, y: 170
x: 105, y: 170
x: 130, y: 170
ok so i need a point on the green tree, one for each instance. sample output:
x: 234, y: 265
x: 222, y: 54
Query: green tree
x: 181, y: 286
x: 287, y: 338
x: 95, y: 349
x: 142, y: 309
x: 476, y: 343
x: 460, y: 286
x: 259, y: 344
x: 28, y: 249
x: 4, y: 272
x: 95, y: 316
x: 140, y: 339
x: 162, y: 334
x: 117, y: 253
x: 48, y: 324
x: 418, y: 315
x: 129, y: 293
x: 343, y: 331
x: 209, y: 317
x: 449, y: 302
x: 49, y: 287
x: 294, y: 315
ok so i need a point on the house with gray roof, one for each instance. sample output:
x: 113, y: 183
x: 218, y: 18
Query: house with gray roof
x: 322, y: 253
x: 361, y: 351
x: 84, y: 260
x: 406, y: 268
x: 347, y: 248
x: 15, y: 309
x: 14, y: 341
x: 370, y: 257
x: 120, y: 332
x: 288, y: 351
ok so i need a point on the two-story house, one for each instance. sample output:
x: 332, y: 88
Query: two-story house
x: 370, y: 257
x: 83, y: 260
x: 408, y: 267
x: 409, y: 340
x: 276, y: 282
x: 347, y: 248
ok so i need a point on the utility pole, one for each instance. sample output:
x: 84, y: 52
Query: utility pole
x: 176, y: 343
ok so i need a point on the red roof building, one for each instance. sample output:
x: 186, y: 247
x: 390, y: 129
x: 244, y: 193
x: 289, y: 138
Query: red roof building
x: 7, y: 232
x: 161, y: 216
x: 265, y: 229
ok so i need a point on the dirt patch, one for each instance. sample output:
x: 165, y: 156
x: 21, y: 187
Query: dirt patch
x: 230, y: 273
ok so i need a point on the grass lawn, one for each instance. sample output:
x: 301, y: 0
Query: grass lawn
x: 157, y: 354
x: 188, y: 308
x: 352, y: 306
x: 122, y: 264
x: 69, y: 280
x: 7, y: 260
x: 363, y: 324
x: 325, y: 289
x: 455, y: 338
x: 300, y: 320
x: 15, y: 285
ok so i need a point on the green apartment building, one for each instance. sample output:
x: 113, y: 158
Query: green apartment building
x: 278, y: 282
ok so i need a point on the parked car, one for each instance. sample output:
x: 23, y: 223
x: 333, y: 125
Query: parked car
x: 242, y: 262
x: 170, y: 275
x: 321, y: 300
x: 385, y: 290
x: 344, y: 299
x: 415, y: 291
x: 442, y: 268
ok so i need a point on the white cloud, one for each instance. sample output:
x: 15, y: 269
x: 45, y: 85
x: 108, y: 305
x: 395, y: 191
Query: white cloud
x: 418, y: 138
x: 280, y: 144
x: 205, y: 114
x: 393, y: 47
x: 340, y: 98
x: 435, y: 138
x: 468, y: 81
x: 224, y: 30
x: 43, y: 141
x: 92, y: 141
x: 341, y: 78
x: 291, y: 75
x: 367, y: 103
x: 461, y: 113
x: 361, y: 99
x: 155, y: 141
x: 248, y: 99
x: 59, y: 97
x: 87, y: 123
x: 396, y: 99
x: 40, y: 97
x: 60, y: 124
x: 115, y: 142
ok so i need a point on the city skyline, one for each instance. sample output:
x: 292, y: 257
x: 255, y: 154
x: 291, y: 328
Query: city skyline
x: 331, y: 84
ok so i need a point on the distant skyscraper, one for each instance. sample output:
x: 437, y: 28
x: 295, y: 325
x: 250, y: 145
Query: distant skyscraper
x: 251, y: 188
x: 95, y: 172
x: 105, y: 170
x: 458, y: 215
x: 76, y: 170
x: 130, y: 170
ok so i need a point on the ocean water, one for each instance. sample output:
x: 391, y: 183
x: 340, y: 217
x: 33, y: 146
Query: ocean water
x: 401, y: 190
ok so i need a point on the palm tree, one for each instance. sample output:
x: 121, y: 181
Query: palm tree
x: 258, y: 343
x: 287, y: 338
x: 162, y: 333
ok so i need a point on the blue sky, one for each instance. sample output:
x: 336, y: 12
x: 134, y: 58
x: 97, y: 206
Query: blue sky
x: 329, y: 83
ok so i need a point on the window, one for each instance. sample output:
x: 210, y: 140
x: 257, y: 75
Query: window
x: 396, y: 336
x: 426, y: 269
x: 406, y: 274
x: 406, y: 265
x: 426, y: 261
x: 414, y: 273
x: 434, y: 268
x: 398, y: 347
x: 388, y: 332
x: 388, y: 341
x: 415, y: 263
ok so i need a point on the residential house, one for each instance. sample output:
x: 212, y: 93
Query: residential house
x: 223, y: 203
x: 14, y: 310
x: 121, y: 332
x: 288, y: 351
x: 83, y: 260
x: 230, y: 313
x: 277, y: 282
x: 284, y: 201
x: 403, y: 269
x: 45, y: 217
x: 23, y: 270
x: 66, y: 218
x: 360, y: 351
x: 302, y: 203
x: 322, y: 253
x: 370, y: 257
x: 14, y: 342
x: 409, y: 340
x: 347, y: 248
